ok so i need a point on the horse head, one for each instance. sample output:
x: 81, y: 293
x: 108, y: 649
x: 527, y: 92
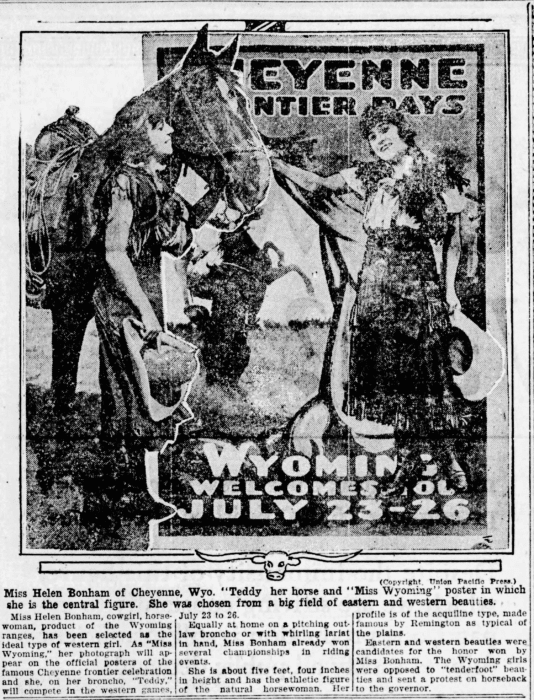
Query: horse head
x: 213, y: 133
x: 213, y: 129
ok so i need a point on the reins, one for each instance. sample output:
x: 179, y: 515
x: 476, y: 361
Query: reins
x: 200, y: 124
x: 39, y: 236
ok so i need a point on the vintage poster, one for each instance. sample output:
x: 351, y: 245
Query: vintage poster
x: 267, y: 365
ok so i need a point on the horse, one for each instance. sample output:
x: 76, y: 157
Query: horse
x: 236, y: 286
x: 213, y: 134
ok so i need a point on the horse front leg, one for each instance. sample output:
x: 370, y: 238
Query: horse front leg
x: 69, y: 322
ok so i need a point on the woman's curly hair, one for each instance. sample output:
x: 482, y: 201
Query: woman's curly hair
x: 127, y: 137
x: 373, y: 116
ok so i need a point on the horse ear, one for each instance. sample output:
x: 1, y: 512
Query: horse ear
x: 199, y: 49
x: 201, y: 42
x: 226, y: 56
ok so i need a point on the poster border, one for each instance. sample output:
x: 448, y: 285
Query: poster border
x: 508, y: 263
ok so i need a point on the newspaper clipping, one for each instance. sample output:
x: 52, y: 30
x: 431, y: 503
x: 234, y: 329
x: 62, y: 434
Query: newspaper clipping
x: 266, y: 402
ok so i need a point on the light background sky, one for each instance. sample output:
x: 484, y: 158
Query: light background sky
x: 97, y: 72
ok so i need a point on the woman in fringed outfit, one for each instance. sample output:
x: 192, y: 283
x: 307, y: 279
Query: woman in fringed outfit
x: 139, y: 217
x: 400, y: 372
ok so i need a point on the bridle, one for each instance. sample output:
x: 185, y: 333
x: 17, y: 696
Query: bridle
x: 183, y: 92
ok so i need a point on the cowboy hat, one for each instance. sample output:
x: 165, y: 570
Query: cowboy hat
x: 164, y: 374
x: 476, y: 358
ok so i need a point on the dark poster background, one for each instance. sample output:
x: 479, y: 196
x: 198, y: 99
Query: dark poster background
x: 314, y: 94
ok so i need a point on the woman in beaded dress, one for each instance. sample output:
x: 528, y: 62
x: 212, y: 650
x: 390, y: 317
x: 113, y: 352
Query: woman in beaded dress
x: 400, y: 373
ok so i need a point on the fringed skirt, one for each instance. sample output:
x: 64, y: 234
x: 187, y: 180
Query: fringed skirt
x: 400, y: 371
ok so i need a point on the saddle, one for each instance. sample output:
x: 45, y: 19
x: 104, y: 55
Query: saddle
x: 49, y: 171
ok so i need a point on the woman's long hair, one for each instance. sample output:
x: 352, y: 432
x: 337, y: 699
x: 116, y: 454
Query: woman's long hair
x: 126, y: 141
x: 127, y: 138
